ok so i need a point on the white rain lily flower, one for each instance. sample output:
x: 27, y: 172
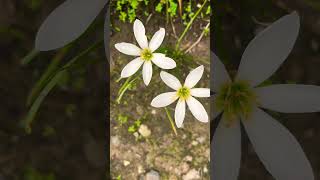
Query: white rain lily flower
x: 185, y: 95
x: 240, y: 100
x: 145, y: 54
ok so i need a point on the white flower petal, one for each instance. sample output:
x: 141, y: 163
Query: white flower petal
x: 197, y: 109
x: 194, y: 77
x: 200, y: 92
x: 128, y: 49
x: 266, y: 52
x: 65, y: 23
x: 180, y: 112
x: 219, y: 74
x: 170, y: 80
x: 163, y: 62
x: 164, y: 99
x: 131, y: 68
x: 157, y: 39
x: 147, y: 72
x: 226, y: 152
x: 140, y: 34
x: 290, y: 98
x: 279, y: 151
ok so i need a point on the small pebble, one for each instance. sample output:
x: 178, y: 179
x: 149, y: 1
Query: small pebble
x: 126, y: 163
x: 192, y: 175
x: 201, y: 139
x: 194, y: 143
x: 188, y: 158
x: 115, y: 141
x: 144, y: 131
x: 136, y: 134
x: 205, y: 169
x: 153, y: 112
x: 152, y: 175
x: 140, y: 169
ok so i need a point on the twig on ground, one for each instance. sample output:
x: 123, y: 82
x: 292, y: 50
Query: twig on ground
x: 148, y: 18
x: 199, y: 39
x: 173, y: 29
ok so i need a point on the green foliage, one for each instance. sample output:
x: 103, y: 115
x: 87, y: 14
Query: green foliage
x: 206, y: 31
x: 171, y: 7
x: 159, y: 7
x: 208, y: 11
x: 127, y: 9
x: 122, y: 119
x: 135, y: 126
x: 129, y: 84
x: 33, y: 174
x: 188, y: 13
x: 132, y: 129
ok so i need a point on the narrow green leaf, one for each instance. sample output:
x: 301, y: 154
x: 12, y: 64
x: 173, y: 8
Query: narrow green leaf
x: 28, y: 58
x: 52, y: 68
x: 36, y: 105
x: 56, y: 77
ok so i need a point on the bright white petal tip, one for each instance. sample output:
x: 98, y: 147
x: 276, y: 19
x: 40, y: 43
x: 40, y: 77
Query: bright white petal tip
x: 163, y: 62
x: 157, y: 39
x: 128, y: 49
x: 180, y: 112
x: 164, y: 99
x: 147, y: 72
x: 170, y: 80
x: 194, y: 77
x: 197, y: 109
x: 200, y: 92
x: 140, y: 33
x: 131, y: 68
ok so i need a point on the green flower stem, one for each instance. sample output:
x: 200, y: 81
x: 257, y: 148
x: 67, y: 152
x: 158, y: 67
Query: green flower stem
x: 171, y: 122
x: 125, y: 87
x: 124, y: 84
x: 189, y: 25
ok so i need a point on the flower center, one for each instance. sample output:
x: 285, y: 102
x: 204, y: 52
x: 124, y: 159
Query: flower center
x: 236, y: 100
x: 183, y: 92
x: 146, y: 54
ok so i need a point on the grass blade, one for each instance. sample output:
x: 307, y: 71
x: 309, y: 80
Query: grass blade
x: 50, y: 84
x: 27, y: 59
x: 52, y: 68
x: 36, y: 105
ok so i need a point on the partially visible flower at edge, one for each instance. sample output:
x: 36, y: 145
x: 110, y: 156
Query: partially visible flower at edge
x: 145, y: 54
x: 240, y: 100
x: 185, y: 95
